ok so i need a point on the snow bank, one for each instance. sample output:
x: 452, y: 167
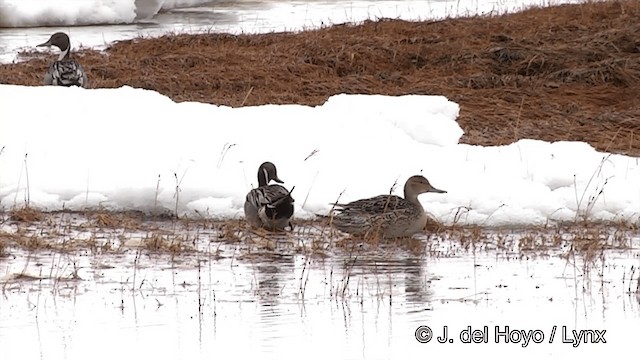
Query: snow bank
x: 131, y: 148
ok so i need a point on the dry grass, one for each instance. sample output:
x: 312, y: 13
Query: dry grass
x: 118, y: 233
x: 26, y: 214
x: 568, y: 72
x: 157, y: 242
x: 3, y: 246
x: 116, y: 220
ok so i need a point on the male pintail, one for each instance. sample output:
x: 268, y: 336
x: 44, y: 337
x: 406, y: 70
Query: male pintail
x: 269, y: 206
x: 65, y: 71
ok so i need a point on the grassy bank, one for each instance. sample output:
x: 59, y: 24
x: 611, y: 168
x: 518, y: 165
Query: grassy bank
x: 569, y: 72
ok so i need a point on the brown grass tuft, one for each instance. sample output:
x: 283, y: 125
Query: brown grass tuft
x: 126, y: 220
x: 433, y: 226
x: 26, y: 214
x: 568, y: 72
x: 3, y: 246
x: 163, y: 243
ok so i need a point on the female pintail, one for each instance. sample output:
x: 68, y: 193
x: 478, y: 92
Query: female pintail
x: 387, y: 215
x: 269, y: 206
x: 65, y: 71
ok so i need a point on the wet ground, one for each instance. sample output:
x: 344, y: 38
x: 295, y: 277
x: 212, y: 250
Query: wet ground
x: 73, y: 285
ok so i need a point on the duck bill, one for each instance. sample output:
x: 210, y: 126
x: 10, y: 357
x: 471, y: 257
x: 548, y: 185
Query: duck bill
x: 276, y: 179
x: 436, y: 190
x: 48, y: 43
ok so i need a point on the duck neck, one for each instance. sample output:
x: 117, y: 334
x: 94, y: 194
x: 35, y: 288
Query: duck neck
x: 64, y: 54
x: 262, y: 177
x: 411, y: 196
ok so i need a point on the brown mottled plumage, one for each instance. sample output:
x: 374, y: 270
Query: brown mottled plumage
x: 389, y: 215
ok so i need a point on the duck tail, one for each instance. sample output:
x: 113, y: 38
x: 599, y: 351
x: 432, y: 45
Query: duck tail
x: 328, y: 216
x: 282, y: 200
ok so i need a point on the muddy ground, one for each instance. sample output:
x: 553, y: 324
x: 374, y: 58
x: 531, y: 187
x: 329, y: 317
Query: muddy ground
x: 569, y: 72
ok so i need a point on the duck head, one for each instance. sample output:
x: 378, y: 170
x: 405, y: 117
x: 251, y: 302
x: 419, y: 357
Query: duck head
x: 267, y: 172
x: 417, y: 185
x: 61, y: 41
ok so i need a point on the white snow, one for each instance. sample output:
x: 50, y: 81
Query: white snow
x: 131, y: 148
x: 23, y: 13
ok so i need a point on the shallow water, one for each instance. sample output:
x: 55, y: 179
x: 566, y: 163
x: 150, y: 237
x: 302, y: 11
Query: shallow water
x: 272, y: 298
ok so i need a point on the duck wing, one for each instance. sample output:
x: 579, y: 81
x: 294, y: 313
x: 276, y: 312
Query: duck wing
x: 269, y: 195
x: 375, y: 205
x: 378, y: 213
x: 273, y: 206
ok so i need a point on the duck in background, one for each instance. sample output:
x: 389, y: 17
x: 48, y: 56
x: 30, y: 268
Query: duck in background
x: 65, y: 71
x: 269, y: 206
x: 387, y: 215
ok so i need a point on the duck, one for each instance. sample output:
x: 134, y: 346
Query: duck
x: 389, y: 216
x: 269, y: 206
x: 65, y: 71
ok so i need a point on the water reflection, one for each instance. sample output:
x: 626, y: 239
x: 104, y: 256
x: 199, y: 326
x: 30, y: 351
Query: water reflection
x: 417, y: 282
x: 274, y: 302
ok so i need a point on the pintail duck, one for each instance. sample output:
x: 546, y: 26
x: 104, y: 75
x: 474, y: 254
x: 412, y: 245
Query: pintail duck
x: 64, y: 71
x: 269, y: 206
x: 388, y: 215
